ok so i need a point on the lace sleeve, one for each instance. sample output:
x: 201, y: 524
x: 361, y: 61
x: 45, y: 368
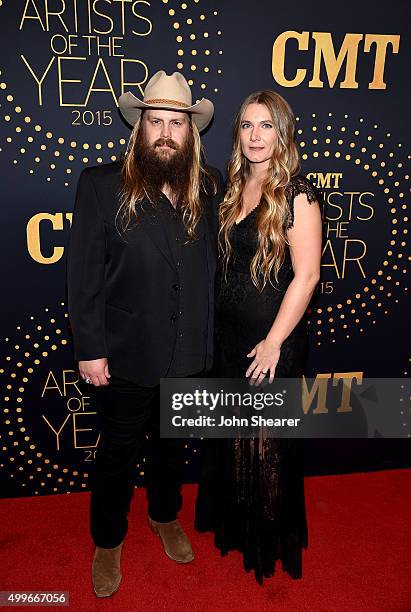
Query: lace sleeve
x: 299, y: 184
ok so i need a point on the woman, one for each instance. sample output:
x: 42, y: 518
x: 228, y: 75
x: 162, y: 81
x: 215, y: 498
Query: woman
x: 252, y: 490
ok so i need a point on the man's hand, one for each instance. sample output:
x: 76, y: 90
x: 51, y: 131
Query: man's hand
x: 96, y: 370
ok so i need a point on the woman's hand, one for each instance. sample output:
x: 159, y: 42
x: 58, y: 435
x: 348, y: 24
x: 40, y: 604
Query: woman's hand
x: 266, y: 355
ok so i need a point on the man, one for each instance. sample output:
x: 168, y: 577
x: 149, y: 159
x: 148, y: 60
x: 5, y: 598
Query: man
x: 140, y: 274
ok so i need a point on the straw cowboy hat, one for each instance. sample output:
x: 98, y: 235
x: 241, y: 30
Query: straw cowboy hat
x: 168, y: 93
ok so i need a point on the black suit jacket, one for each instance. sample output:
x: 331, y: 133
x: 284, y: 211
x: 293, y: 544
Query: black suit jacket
x: 123, y: 288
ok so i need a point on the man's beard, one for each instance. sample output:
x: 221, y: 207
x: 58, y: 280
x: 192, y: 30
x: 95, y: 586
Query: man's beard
x: 160, y: 167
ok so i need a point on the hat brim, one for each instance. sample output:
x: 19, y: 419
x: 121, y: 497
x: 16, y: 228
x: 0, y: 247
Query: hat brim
x: 131, y: 108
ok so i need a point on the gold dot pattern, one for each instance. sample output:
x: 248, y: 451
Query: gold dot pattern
x: 24, y: 461
x: 375, y: 299
x: 194, y: 33
x: 44, y: 141
x: 194, y: 36
x: 26, y: 358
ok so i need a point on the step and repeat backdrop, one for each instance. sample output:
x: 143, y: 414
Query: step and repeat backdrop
x: 343, y: 67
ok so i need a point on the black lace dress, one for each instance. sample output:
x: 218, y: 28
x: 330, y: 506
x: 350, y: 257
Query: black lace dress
x: 251, y: 491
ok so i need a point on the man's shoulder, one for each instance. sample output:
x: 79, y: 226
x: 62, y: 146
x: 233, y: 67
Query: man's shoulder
x: 104, y: 171
x: 104, y: 180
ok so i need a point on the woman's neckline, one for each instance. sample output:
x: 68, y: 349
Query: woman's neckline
x: 247, y: 215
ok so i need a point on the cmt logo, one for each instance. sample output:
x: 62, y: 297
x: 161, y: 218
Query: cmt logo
x: 333, y: 62
x: 39, y: 225
x: 320, y: 391
x: 325, y: 180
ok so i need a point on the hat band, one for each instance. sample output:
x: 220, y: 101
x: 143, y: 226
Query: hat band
x: 168, y: 102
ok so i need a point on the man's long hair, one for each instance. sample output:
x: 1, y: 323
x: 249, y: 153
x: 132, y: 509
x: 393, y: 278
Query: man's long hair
x: 273, y: 208
x: 191, y: 185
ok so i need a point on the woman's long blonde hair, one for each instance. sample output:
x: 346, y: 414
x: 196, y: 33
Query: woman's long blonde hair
x: 134, y: 188
x: 273, y: 208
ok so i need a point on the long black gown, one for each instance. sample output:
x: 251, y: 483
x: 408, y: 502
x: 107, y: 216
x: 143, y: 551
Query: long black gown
x: 252, y: 498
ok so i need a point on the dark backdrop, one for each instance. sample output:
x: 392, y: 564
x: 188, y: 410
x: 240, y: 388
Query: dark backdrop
x: 60, y: 76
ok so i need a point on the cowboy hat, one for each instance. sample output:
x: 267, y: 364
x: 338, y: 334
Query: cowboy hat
x: 168, y: 93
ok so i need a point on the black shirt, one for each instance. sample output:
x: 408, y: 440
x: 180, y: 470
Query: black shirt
x: 191, y: 317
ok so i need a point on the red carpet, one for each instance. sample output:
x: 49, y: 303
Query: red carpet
x: 358, y: 556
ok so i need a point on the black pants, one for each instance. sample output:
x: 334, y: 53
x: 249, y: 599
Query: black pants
x: 127, y: 412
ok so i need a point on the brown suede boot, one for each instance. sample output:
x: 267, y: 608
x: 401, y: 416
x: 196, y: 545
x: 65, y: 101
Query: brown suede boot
x: 175, y: 542
x: 106, y: 570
